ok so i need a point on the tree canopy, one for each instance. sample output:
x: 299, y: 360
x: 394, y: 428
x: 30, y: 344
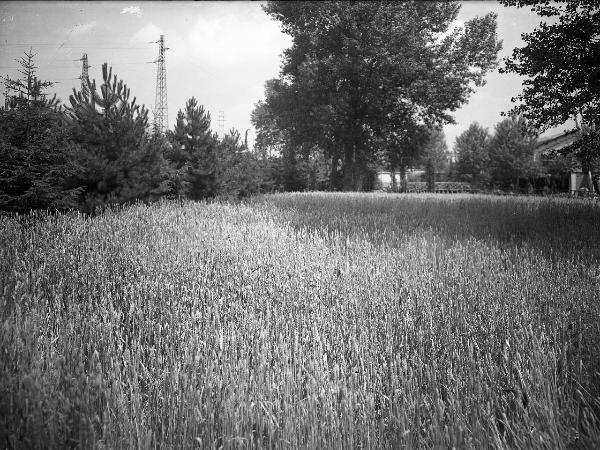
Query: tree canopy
x: 511, y: 150
x: 361, y: 76
x: 561, y: 63
x: 471, y: 149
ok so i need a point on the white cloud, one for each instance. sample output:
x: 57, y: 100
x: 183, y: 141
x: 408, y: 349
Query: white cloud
x: 227, y: 42
x: 83, y: 28
x: 133, y: 10
x: 149, y: 33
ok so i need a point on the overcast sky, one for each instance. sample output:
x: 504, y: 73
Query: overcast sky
x: 220, y: 52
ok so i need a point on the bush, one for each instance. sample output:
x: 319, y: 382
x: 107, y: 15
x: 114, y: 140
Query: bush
x: 439, y: 186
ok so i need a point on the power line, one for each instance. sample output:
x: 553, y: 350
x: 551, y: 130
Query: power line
x: 59, y: 46
x: 112, y: 63
x: 59, y: 61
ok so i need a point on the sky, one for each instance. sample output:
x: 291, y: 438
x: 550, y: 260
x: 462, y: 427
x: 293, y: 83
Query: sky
x: 219, y: 52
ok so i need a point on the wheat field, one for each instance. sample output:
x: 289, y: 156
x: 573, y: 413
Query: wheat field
x: 308, y: 320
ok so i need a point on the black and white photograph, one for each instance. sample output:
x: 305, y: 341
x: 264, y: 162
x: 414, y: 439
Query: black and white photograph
x: 300, y: 225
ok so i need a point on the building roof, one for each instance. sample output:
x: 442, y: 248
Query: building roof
x: 555, y: 142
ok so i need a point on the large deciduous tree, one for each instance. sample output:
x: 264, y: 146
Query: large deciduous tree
x: 435, y: 158
x: 471, y: 150
x: 270, y: 139
x: 360, y: 74
x: 287, y: 166
x: 561, y: 63
x: 273, y: 146
x: 510, y: 152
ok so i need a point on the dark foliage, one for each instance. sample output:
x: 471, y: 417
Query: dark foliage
x: 192, y: 152
x: 119, y: 161
x: 239, y: 171
x: 511, y: 153
x: 360, y: 77
x: 472, y: 157
x: 36, y: 168
x: 561, y: 63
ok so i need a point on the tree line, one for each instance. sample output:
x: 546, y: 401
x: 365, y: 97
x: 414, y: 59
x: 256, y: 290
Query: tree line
x: 364, y: 87
x: 505, y: 159
x: 100, y: 149
x: 368, y: 86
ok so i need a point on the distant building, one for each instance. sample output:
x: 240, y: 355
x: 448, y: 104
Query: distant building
x: 554, y: 142
x: 384, y: 179
x: 577, y: 179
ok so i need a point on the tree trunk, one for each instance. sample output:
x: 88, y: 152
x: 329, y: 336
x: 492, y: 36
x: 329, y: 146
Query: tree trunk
x: 348, y: 171
x: 353, y: 172
x: 430, y: 176
x: 403, y: 181
x: 333, y: 174
x: 589, y: 181
x: 587, y: 176
x: 394, y: 185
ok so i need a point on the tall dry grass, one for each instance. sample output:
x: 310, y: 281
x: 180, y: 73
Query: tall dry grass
x: 303, y: 320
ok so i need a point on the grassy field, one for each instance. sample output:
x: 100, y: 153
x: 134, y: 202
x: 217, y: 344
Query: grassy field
x: 304, y: 320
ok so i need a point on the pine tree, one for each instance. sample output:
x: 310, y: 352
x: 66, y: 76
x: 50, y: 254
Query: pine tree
x: 120, y: 161
x: 36, y: 168
x: 192, y: 152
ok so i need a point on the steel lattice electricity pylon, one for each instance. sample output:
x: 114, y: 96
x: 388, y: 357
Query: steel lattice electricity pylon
x: 84, y: 71
x: 161, y: 117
